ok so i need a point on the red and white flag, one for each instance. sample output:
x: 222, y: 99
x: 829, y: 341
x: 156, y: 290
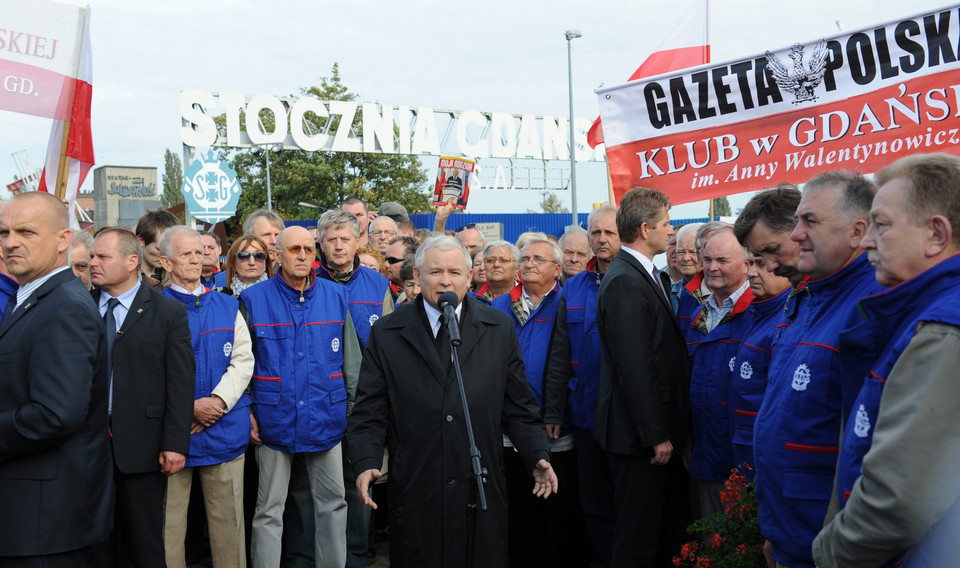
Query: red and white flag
x: 688, y: 45
x: 46, y: 65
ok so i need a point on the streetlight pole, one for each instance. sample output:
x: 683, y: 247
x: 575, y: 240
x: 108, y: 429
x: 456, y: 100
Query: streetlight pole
x: 571, y: 35
x: 255, y: 149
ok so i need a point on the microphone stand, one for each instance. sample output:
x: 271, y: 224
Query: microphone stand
x: 478, y: 477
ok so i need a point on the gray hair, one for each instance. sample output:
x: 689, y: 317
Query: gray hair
x: 571, y: 230
x: 687, y: 229
x: 557, y: 253
x: 270, y: 216
x: 514, y: 251
x: 855, y: 195
x: 81, y: 238
x: 608, y: 208
x: 396, y: 228
x: 706, y: 230
x: 336, y: 219
x: 524, y: 238
x: 166, y: 239
x: 441, y: 243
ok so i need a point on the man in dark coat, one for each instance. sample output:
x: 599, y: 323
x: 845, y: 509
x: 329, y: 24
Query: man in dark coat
x: 55, y: 469
x: 408, y: 394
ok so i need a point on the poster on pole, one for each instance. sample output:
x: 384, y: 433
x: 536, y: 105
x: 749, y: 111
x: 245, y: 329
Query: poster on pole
x: 854, y: 101
x: 453, y: 181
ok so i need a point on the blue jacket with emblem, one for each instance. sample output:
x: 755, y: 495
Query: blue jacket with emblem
x: 298, y: 389
x: 711, y: 457
x: 366, y: 291
x: 748, y: 380
x: 889, y: 321
x: 811, y: 385
x: 212, y: 325
x: 534, y: 335
x: 574, y: 364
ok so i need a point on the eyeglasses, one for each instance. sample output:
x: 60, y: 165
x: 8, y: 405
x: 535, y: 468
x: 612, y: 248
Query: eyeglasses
x: 244, y: 256
x: 382, y: 233
x: 295, y: 249
x: 465, y: 227
x: 535, y: 260
x: 394, y: 260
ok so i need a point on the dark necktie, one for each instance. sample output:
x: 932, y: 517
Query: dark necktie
x: 11, y: 305
x: 443, y: 345
x: 111, y: 336
x: 657, y: 278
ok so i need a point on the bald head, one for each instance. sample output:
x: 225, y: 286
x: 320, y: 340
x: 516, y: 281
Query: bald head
x: 34, y: 235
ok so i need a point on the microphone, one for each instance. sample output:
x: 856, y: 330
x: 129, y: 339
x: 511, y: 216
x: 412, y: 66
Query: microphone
x: 448, y: 303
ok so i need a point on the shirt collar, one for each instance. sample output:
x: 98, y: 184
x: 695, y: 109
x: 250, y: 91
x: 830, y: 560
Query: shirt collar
x: 24, y: 291
x: 647, y: 263
x: 177, y: 288
x: 731, y: 301
x: 126, y: 299
x: 433, y: 315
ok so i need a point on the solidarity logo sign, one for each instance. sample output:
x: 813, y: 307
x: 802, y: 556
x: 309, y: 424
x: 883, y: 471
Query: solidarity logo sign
x: 210, y: 189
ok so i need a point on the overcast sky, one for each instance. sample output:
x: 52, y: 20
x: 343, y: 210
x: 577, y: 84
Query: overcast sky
x: 509, y: 56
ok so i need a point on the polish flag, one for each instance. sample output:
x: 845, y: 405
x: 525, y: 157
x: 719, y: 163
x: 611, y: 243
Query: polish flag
x: 688, y: 45
x: 71, y: 142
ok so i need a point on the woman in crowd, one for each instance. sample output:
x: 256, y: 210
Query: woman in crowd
x: 247, y: 264
x: 372, y: 259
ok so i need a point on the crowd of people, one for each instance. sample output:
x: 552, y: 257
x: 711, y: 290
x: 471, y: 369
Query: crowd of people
x: 811, y: 346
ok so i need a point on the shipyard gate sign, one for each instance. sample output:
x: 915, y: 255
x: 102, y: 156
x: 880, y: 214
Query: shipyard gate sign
x: 307, y: 123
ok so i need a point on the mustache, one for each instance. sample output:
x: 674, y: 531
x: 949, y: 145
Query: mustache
x: 872, y: 256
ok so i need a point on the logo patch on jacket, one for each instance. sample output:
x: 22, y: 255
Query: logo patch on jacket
x: 746, y: 370
x: 335, y: 344
x: 801, y: 377
x: 227, y: 349
x: 373, y: 318
x: 732, y: 364
x: 861, y: 426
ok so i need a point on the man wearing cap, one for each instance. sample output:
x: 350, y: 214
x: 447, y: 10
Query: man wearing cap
x: 399, y: 214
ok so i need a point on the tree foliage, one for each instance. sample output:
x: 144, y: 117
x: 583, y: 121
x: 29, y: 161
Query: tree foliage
x: 326, y: 178
x: 721, y: 207
x: 552, y: 204
x: 172, y: 179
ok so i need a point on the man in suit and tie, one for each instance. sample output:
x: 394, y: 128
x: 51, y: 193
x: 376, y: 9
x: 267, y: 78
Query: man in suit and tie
x: 151, y: 392
x: 55, y: 470
x: 642, y: 417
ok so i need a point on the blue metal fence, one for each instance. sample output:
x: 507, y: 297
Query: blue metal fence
x: 514, y: 224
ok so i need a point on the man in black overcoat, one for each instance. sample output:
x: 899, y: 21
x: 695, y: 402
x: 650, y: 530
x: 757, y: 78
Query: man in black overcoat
x: 408, y: 396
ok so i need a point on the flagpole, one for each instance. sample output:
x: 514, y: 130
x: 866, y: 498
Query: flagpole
x: 63, y: 171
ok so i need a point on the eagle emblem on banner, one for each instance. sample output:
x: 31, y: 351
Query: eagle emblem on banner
x: 797, y: 80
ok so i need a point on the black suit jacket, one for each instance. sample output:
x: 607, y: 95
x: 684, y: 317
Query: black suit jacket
x: 56, y: 475
x: 154, y: 378
x: 405, y: 396
x: 642, y: 398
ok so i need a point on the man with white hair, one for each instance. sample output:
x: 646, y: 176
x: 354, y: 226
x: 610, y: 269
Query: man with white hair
x: 552, y: 532
x: 408, y: 392
x: 221, y: 415
x: 382, y: 230
x: 80, y: 256
x: 576, y: 251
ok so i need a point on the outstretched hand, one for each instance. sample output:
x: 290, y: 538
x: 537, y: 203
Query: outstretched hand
x: 364, y: 480
x: 545, y: 480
